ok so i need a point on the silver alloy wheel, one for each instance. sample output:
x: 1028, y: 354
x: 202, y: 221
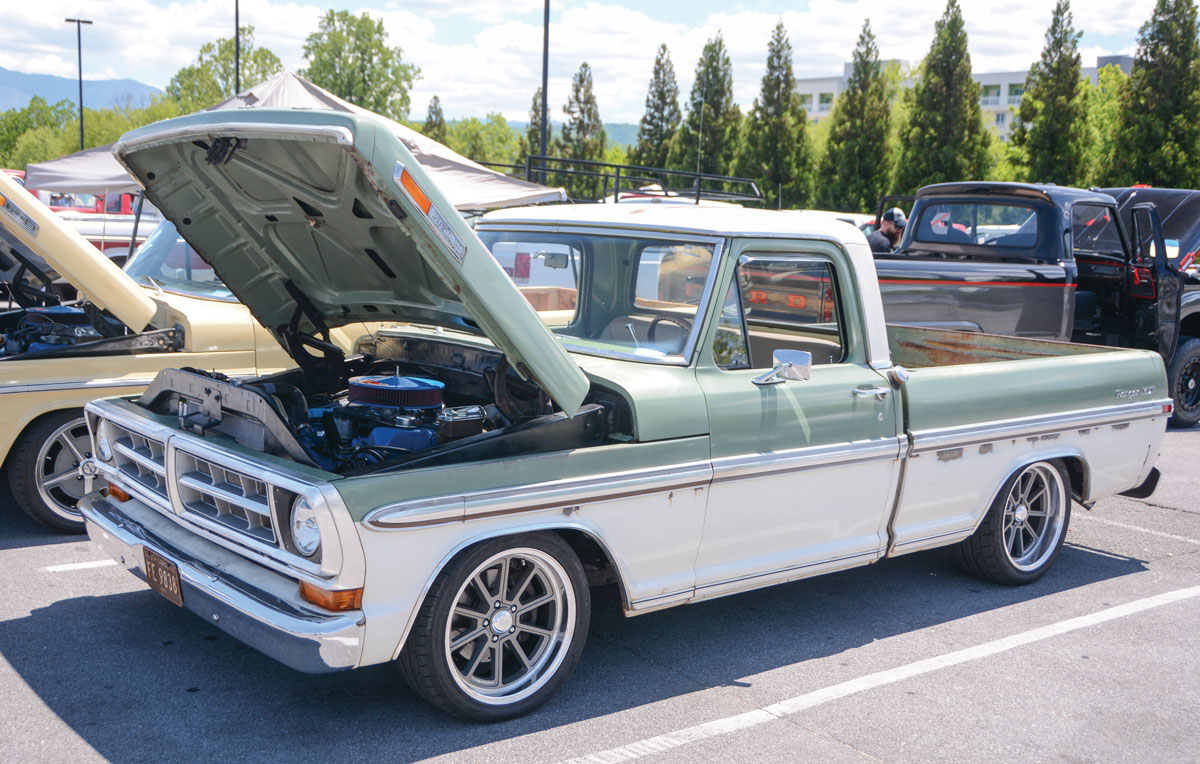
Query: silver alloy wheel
x: 1033, y: 516
x: 511, y: 625
x: 59, y: 481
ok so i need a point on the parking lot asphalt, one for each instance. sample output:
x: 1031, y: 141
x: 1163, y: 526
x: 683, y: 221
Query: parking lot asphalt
x: 906, y: 660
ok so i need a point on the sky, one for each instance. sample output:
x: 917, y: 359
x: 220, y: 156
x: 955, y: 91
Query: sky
x: 481, y: 56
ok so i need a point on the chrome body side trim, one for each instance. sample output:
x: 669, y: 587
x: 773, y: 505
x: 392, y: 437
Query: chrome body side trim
x: 94, y: 384
x: 732, y: 468
x: 284, y: 629
x: 939, y: 439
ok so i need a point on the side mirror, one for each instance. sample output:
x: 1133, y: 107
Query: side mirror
x: 793, y: 365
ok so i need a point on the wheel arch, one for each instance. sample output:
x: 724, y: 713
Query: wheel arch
x: 1078, y: 475
x: 584, y: 541
x: 28, y: 418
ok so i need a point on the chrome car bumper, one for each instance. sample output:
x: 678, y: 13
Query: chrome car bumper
x: 279, y: 626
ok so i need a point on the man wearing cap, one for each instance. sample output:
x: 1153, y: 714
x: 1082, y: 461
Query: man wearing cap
x: 891, y: 228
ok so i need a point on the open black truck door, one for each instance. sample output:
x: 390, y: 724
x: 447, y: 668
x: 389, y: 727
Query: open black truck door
x: 1151, y: 276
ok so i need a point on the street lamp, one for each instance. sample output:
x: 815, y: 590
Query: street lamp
x: 79, y: 52
x: 545, y: 74
x: 237, y: 50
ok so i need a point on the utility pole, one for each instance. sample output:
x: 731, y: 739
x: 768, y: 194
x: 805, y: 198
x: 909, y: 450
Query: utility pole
x: 79, y: 53
x: 237, y: 50
x: 545, y: 75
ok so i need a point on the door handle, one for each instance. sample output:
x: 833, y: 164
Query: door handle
x: 878, y: 392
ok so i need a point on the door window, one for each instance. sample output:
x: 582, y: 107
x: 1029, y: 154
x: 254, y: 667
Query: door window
x: 1094, y: 229
x: 779, y: 304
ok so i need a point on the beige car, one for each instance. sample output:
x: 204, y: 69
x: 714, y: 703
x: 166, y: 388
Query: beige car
x: 166, y: 309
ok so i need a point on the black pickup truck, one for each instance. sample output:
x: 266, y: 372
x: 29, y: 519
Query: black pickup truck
x: 1051, y: 262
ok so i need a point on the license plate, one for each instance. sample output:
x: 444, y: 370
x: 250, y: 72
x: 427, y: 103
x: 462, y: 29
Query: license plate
x: 163, y: 576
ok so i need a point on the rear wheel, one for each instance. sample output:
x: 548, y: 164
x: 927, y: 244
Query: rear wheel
x: 43, y: 471
x: 1183, y: 381
x: 500, y: 629
x: 1023, y: 531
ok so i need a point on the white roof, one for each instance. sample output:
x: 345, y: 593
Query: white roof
x: 725, y: 222
x: 468, y: 185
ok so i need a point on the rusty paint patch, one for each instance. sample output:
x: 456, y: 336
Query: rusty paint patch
x: 1123, y: 426
x: 986, y: 448
x: 568, y: 511
x: 1085, y: 431
x: 1050, y: 436
x: 950, y: 454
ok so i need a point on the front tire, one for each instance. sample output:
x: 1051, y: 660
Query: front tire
x: 1183, y: 382
x: 1022, y: 533
x: 501, y: 628
x: 43, y: 471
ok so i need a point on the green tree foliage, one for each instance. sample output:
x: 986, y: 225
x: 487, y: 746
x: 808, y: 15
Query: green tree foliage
x: 1103, y: 110
x: 531, y: 140
x: 435, y: 123
x: 661, y: 120
x: 583, y: 133
x: 854, y: 172
x: 349, y: 56
x: 490, y: 140
x: 775, y: 150
x: 38, y: 116
x: 55, y: 132
x: 944, y: 138
x: 1050, y: 136
x: 209, y: 79
x: 711, y: 101
x: 1158, y: 141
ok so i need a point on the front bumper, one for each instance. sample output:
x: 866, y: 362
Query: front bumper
x: 241, y: 598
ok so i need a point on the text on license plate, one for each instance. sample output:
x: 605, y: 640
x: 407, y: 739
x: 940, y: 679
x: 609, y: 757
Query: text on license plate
x: 163, y: 576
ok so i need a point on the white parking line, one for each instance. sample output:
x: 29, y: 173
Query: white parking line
x: 803, y: 702
x: 79, y: 566
x: 1137, y: 528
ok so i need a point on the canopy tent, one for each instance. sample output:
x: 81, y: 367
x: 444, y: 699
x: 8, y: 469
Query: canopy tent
x: 470, y: 185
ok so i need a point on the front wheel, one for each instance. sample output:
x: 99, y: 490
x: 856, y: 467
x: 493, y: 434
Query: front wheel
x: 43, y: 471
x: 1183, y: 383
x: 1024, y: 528
x: 501, y: 628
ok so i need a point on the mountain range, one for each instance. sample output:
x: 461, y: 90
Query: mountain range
x: 16, y: 88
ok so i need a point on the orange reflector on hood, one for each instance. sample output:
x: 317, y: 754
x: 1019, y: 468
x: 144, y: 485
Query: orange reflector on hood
x: 344, y: 599
x: 410, y: 185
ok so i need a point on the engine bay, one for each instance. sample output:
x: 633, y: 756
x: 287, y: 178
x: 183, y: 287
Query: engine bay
x: 407, y: 403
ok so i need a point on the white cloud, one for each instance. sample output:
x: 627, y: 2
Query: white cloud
x: 500, y: 67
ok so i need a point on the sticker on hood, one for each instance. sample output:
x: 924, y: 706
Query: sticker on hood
x: 11, y: 208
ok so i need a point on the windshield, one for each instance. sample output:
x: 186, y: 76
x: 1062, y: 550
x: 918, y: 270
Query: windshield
x: 166, y: 260
x: 607, y: 294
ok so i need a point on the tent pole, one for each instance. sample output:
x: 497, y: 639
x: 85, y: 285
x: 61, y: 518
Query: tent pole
x: 137, y: 218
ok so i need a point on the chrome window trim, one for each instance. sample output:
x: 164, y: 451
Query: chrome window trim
x: 979, y: 433
x: 717, y: 241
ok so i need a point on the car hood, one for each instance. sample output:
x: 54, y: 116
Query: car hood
x: 314, y: 217
x: 24, y: 218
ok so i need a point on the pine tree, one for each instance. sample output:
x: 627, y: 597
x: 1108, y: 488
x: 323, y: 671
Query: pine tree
x: 1050, y: 136
x: 711, y: 100
x: 853, y: 172
x: 944, y: 139
x: 662, y: 116
x: 1159, y: 139
x: 583, y: 133
x: 435, y: 122
x: 776, y: 150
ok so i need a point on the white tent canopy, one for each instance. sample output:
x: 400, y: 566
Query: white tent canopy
x: 469, y: 185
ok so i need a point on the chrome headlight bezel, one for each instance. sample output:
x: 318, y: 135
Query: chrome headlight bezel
x: 304, y: 527
x: 103, y: 444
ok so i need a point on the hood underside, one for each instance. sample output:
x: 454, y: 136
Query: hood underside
x: 315, y: 218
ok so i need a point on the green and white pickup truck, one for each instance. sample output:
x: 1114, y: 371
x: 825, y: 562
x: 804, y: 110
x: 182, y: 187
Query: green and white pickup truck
x: 709, y: 402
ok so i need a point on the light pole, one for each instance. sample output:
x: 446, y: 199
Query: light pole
x: 545, y: 74
x: 79, y: 52
x: 237, y: 50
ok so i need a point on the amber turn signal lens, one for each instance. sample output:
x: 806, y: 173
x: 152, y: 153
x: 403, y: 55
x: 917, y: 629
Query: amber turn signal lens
x: 117, y: 493
x: 344, y: 599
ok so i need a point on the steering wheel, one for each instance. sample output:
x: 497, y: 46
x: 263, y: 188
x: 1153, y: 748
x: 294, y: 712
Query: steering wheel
x: 682, y: 323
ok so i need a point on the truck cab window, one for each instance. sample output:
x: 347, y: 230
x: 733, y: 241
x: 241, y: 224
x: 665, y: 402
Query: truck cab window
x: 1094, y: 229
x: 779, y: 304
x: 982, y: 224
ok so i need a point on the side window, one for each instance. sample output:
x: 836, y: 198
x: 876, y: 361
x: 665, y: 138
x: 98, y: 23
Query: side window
x: 1094, y: 230
x: 779, y: 304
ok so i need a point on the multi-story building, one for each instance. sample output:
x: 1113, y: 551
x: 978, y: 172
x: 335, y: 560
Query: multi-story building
x: 1000, y: 92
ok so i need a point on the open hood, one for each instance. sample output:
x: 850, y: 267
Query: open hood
x: 317, y: 219
x: 33, y: 224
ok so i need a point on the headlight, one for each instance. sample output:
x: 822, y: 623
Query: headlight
x: 306, y: 534
x: 103, y: 447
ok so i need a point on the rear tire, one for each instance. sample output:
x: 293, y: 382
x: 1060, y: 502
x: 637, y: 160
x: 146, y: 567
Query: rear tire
x: 501, y: 628
x: 43, y: 470
x: 1022, y: 533
x: 1183, y: 383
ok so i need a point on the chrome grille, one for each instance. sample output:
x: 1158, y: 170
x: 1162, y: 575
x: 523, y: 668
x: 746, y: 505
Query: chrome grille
x: 233, y: 499
x: 139, y: 458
